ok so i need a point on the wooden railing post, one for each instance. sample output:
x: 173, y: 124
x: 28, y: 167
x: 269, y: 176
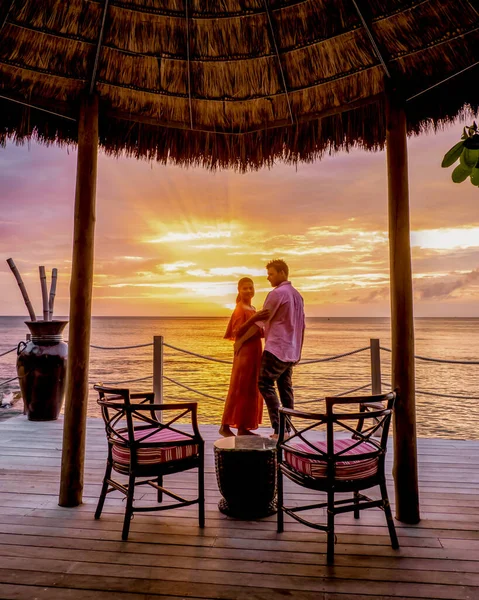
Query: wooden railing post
x: 375, y: 366
x: 402, y: 321
x: 76, y: 402
x: 158, y: 368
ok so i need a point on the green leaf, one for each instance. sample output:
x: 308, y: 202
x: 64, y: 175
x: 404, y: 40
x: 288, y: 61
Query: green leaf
x: 452, y: 155
x: 469, y: 157
x: 475, y: 176
x: 460, y: 174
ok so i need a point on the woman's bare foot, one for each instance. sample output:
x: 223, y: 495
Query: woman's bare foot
x: 225, y: 431
x: 242, y: 431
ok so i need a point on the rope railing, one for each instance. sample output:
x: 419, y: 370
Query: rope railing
x: 121, y: 347
x: 426, y: 393
x: 303, y: 362
x: 228, y: 362
x: 439, y: 360
x: 356, y: 389
x: 447, y: 395
x: 14, y: 379
x: 8, y: 351
x: 219, y: 360
x: 330, y: 358
x: 121, y: 382
x: 2, y: 383
x: 186, y: 387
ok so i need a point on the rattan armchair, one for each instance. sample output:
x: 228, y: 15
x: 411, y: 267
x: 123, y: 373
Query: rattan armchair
x: 349, y: 460
x: 146, y: 449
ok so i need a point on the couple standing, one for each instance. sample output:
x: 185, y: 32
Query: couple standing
x: 255, y: 373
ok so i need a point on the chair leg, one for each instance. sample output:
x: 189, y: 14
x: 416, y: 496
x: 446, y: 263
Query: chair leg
x: 159, y: 496
x: 389, y: 516
x: 331, y: 537
x: 104, y: 489
x: 129, y: 507
x: 280, y: 513
x: 356, y: 505
x: 201, y: 492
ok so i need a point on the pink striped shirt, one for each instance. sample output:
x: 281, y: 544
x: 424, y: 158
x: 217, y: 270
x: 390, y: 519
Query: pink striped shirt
x: 284, y: 330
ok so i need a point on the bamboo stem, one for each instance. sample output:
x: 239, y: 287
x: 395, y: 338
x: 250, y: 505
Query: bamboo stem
x: 43, y: 283
x: 23, y: 289
x: 53, y: 290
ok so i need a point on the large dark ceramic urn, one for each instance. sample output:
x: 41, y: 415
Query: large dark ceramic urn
x: 41, y: 368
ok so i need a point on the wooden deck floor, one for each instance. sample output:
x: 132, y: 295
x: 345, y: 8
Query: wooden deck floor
x: 61, y: 554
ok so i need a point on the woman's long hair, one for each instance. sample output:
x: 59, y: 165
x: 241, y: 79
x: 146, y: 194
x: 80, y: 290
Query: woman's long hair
x: 240, y: 283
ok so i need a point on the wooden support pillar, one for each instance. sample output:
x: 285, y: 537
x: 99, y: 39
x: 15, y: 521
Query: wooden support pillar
x: 74, y: 429
x: 402, y: 320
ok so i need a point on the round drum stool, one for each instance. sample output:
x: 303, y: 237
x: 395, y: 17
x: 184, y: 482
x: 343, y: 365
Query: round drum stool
x: 246, y: 475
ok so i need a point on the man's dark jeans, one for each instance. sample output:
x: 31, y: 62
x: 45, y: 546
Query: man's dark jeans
x: 276, y: 371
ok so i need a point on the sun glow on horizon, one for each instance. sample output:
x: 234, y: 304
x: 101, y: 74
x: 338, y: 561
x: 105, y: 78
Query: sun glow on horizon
x: 175, y: 241
x: 172, y: 237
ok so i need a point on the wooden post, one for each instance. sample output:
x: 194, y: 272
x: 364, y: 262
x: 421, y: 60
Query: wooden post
x: 375, y: 380
x: 158, y: 371
x: 402, y: 323
x: 74, y: 429
x: 375, y: 366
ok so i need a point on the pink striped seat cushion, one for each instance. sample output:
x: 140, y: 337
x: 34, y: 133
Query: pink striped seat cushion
x: 354, y: 469
x: 151, y: 456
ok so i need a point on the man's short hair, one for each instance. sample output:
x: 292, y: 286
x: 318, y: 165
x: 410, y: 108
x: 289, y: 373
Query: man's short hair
x: 279, y: 265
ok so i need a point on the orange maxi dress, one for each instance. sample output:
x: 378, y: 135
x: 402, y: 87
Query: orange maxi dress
x: 244, y: 403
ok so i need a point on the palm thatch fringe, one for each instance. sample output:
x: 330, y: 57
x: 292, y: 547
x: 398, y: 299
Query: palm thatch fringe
x: 219, y: 89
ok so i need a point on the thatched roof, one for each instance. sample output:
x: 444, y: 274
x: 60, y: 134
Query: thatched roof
x: 233, y: 82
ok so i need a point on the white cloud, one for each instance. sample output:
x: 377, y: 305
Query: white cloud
x: 177, y: 266
x: 446, y: 238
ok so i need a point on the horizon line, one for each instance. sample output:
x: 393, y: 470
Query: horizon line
x: 227, y: 316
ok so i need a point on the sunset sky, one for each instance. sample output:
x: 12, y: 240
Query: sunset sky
x: 173, y: 241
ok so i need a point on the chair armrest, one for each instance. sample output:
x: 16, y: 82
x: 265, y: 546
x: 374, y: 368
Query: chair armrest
x: 145, y: 395
x: 189, y: 406
x: 302, y: 414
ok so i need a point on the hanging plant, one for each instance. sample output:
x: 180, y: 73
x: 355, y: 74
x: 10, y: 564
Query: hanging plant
x: 467, y: 152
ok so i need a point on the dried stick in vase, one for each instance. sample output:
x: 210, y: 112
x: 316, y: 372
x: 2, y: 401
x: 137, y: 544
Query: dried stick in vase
x: 23, y: 289
x: 43, y: 282
x: 53, y: 290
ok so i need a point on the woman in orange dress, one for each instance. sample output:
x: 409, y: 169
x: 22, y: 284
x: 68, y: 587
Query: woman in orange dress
x: 244, y: 403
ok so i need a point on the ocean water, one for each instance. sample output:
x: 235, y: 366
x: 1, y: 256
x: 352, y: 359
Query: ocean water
x: 456, y: 339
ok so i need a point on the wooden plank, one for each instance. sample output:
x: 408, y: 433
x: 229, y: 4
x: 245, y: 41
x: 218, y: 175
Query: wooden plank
x: 85, y: 546
x: 347, y: 569
x: 317, y: 584
x: 27, y: 592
